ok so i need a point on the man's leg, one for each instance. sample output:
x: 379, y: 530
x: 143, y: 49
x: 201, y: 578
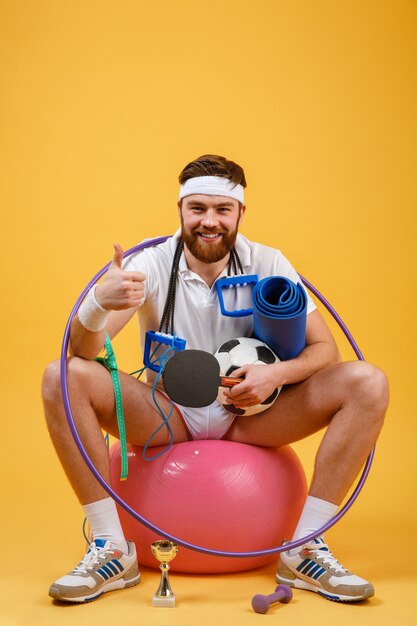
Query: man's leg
x: 351, y: 400
x: 93, y: 407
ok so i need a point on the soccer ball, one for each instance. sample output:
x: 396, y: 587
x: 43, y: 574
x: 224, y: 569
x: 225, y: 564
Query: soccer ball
x: 244, y: 351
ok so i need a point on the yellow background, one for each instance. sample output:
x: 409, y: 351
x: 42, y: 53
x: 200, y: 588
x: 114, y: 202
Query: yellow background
x: 102, y: 104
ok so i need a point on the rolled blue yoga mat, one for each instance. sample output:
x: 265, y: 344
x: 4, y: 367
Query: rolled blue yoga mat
x: 280, y: 315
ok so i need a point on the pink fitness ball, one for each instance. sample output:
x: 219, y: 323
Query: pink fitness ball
x: 221, y: 495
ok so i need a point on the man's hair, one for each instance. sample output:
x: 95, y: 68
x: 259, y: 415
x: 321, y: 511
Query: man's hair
x: 213, y: 165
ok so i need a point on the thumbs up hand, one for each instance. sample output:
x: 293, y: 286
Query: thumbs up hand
x: 120, y: 290
x: 118, y: 257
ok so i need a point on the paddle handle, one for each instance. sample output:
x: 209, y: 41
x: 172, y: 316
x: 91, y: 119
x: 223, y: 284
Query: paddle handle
x: 227, y: 381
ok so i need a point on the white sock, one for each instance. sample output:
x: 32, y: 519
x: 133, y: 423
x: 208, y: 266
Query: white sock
x: 315, y: 514
x: 105, y: 523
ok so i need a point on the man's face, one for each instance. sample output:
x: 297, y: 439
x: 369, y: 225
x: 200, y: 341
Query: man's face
x: 209, y: 225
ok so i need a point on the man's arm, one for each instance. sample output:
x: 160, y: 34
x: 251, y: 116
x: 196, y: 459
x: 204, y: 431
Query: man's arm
x: 320, y: 351
x: 120, y: 293
x: 260, y: 381
x: 86, y: 344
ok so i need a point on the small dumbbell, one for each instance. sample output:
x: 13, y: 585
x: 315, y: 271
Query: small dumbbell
x: 261, y: 604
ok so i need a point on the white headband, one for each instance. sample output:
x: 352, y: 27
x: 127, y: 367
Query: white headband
x: 212, y: 186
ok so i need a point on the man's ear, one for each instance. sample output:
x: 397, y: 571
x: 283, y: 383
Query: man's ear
x: 179, y: 208
x: 242, y: 212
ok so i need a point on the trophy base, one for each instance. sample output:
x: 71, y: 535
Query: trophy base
x: 164, y: 601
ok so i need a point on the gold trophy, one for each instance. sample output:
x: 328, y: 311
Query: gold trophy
x: 164, y: 551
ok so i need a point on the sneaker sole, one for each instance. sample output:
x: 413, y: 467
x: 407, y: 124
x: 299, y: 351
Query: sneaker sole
x: 113, y: 585
x: 297, y: 583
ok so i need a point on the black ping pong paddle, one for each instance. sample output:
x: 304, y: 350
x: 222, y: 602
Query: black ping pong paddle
x: 192, y: 378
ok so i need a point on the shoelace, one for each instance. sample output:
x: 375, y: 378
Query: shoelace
x: 91, y: 559
x: 321, y: 552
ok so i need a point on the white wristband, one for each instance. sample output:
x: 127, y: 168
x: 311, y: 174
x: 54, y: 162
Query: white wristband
x: 91, y: 314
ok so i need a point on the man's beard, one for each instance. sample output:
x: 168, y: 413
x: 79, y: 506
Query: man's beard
x: 209, y: 253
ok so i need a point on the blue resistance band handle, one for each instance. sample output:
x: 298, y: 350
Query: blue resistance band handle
x: 230, y: 282
x: 160, y: 338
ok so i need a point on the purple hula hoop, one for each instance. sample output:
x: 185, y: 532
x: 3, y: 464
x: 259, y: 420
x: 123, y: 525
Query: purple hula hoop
x: 122, y: 503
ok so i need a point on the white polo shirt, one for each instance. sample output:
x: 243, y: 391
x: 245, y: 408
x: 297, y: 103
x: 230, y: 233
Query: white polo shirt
x: 198, y: 318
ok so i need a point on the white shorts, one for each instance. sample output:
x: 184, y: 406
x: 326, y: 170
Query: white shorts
x: 208, y: 422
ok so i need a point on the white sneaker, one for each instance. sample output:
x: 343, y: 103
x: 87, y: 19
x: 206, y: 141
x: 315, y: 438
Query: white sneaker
x: 102, y: 569
x: 315, y: 568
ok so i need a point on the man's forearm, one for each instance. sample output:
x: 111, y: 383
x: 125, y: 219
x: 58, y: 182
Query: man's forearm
x: 312, y: 359
x: 84, y: 343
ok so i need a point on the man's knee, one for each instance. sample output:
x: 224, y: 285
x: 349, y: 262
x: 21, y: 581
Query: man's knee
x: 77, y: 370
x: 367, y: 385
x: 51, y: 383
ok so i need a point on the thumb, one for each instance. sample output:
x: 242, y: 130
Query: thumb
x: 118, y: 256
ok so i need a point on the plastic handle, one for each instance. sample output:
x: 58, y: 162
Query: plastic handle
x: 161, y: 338
x: 226, y: 381
x: 232, y: 282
